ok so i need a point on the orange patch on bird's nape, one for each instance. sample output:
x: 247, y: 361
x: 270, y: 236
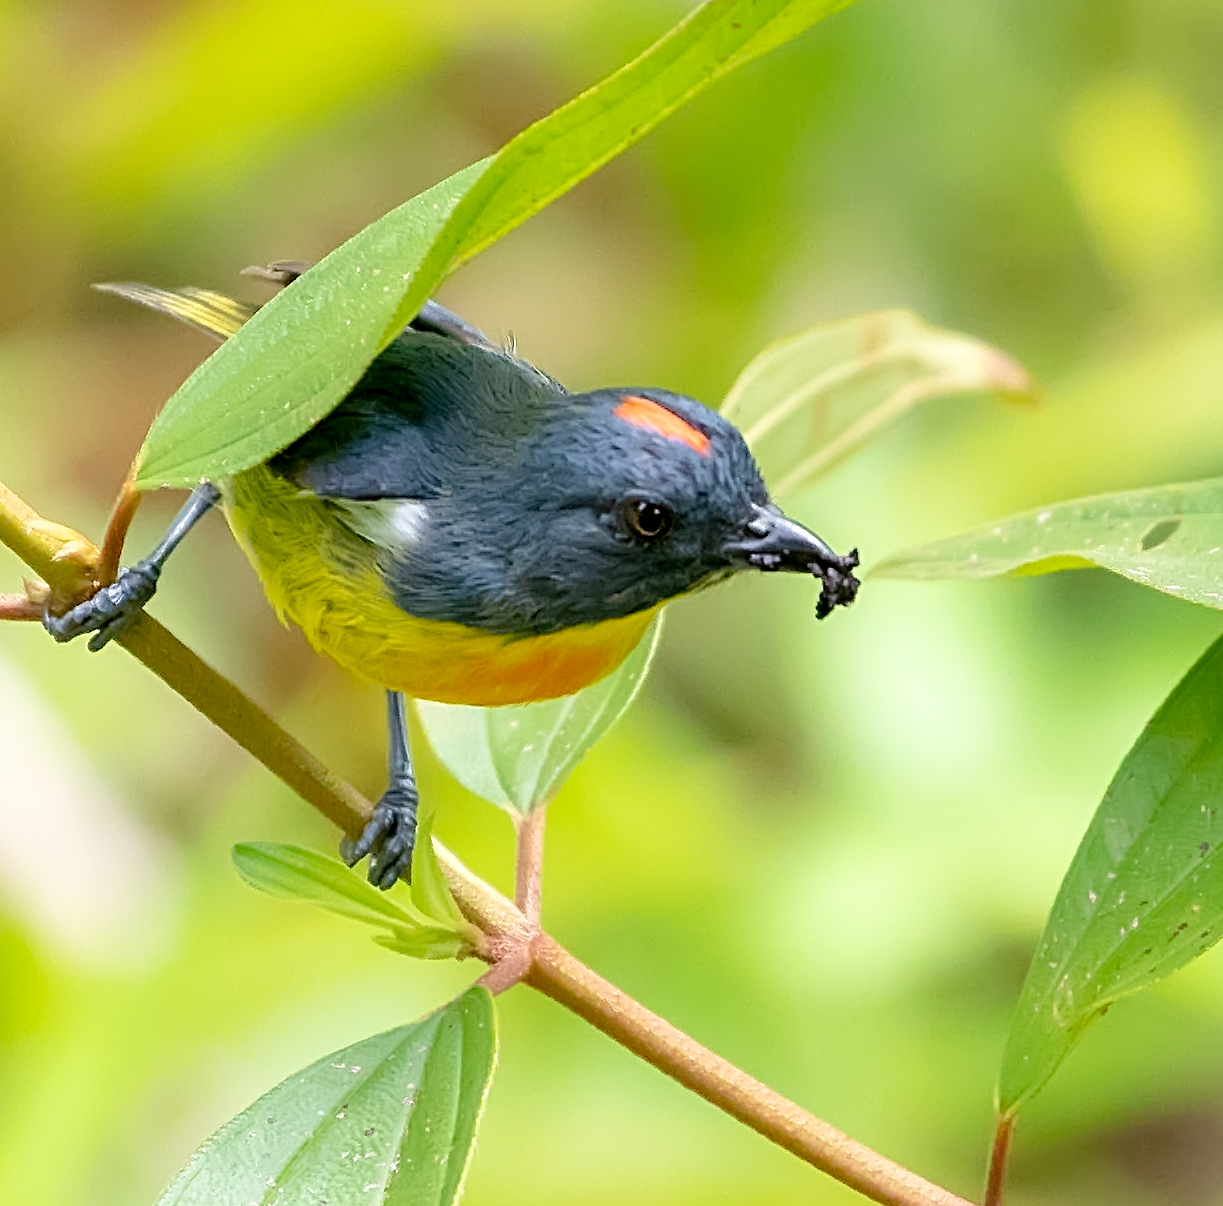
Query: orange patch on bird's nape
x: 643, y: 412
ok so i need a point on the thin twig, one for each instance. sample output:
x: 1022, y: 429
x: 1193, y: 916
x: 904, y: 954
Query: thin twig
x: 513, y: 955
x: 19, y: 607
x: 529, y: 865
x: 66, y: 559
x: 116, y: 531
x: 998, y: 1161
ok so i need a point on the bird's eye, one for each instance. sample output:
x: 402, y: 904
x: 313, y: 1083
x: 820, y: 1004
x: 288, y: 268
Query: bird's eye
x: 645, y: 519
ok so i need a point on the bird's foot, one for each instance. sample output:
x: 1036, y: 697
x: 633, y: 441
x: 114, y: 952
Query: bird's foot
x: 111, y: 611
x: 388, y: 838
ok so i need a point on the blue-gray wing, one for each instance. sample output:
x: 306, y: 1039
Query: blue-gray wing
x: 429, y: 412
x: 441, y: 400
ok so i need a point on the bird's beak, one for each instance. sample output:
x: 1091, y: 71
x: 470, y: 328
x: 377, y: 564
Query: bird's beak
x: 770, y: 541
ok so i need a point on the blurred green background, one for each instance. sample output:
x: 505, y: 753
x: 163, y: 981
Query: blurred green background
x: 826, y: 851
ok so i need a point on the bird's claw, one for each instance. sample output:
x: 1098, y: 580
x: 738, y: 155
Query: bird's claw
x: 109, y: 612
x: 388, y: 838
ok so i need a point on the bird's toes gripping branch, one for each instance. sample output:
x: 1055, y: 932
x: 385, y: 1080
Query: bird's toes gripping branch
x: 388, y: 837
x: 112, y: 610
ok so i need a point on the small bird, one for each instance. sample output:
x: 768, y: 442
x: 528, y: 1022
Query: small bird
x: 462, y: 528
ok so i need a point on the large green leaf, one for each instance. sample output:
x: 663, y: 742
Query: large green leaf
x: 389, y: 1121
x: 1144, y: 894
x: 300, y: 354
x: 548, y: 158
x: 806, y: 403
x: 1168, y: 537
x: 517, y: 757
x: 294, y: 361
x: 426, y: 925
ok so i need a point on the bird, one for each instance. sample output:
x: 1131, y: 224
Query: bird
x: 462, y: 528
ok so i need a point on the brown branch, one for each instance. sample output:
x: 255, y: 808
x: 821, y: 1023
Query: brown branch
x: 516, y: 948
x: 510, y: 967
x: 513, y: 955
x: 557, y: 974
x: 247, y: 723
x: 529, y: 864
x: 116, y: 530
x: 998, y: 1161
x: 19, y: 607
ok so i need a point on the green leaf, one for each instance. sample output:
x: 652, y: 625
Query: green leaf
x: 517, y: 757
x: 430, y: 892
x: 426, y: 942
x: 438, y: 931
x: 1168, y: 537
x: 300, y: 354
x: 1144, y: 894
x: 550, y: 157
x: 806, y: 403
x: 389, y: 1121
x: 296, y: 873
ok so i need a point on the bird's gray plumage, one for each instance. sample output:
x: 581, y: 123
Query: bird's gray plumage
x: 521, y: 483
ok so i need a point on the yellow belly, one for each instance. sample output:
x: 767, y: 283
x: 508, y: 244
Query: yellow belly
x: 324, y: 577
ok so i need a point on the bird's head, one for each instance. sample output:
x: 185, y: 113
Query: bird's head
x: 628, y: 497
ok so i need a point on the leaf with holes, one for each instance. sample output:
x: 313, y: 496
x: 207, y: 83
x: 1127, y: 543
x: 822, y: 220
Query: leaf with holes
x: 517, y: 757
x: 389, y: 1121
x: 806, y: 403
x: 299, y: 355
x: 423, y: 922
x: 1168, y: 537
x: 1144, y: 894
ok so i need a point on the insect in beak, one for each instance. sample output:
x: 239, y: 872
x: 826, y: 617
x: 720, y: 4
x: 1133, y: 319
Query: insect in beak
x: 771, y: 541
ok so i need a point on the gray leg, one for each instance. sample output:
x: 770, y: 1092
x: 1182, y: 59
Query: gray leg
x: 391, y: 831
x: 115, y: 607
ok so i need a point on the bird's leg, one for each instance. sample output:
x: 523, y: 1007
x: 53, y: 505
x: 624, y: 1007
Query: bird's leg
x: 115, y: 607
x: 391, y: 832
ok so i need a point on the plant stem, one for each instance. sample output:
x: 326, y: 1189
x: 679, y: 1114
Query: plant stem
x: 61, y: 556
x: 529, y: 866
x: 19, y: 607
x: 998, y: 1161
x: 517, y: 949
x: 246, y: 722
x: 116, y: 531
x: 510, y: 968
x: 557, y: 974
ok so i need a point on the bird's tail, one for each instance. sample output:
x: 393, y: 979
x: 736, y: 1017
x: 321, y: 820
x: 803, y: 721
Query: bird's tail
x: 221, y: 316
x: 213, y: 313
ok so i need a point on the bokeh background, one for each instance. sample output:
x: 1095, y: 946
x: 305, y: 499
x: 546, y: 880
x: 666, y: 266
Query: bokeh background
x: 825, y: 850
